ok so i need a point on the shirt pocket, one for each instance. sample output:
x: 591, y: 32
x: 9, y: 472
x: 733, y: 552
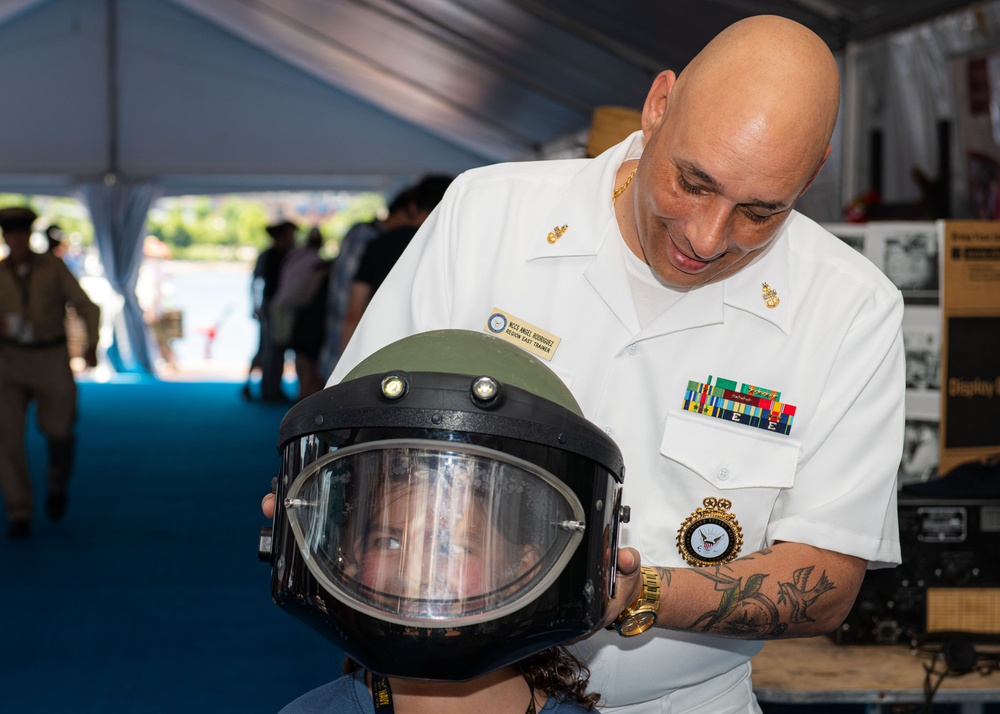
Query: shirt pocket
x: 729, y: 456
x: 701, y: 459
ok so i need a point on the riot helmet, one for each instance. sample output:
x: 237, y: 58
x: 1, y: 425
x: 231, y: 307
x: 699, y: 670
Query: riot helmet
x: 445, y: 510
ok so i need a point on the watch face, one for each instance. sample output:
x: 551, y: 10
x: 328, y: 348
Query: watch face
x: 637, y: 623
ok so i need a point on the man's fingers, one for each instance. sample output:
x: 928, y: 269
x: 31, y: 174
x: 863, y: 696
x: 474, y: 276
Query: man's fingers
x: 628, y: 560
x: 267, y: 505
x: 628, y: 584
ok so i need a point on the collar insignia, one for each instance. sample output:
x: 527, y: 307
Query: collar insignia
x: 771, y: 298
x: 556, y: 233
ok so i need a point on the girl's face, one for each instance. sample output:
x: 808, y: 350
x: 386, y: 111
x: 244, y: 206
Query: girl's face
x: 428, y: 542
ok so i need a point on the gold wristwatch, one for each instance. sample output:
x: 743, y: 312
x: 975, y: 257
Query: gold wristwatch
x: 642, y: 615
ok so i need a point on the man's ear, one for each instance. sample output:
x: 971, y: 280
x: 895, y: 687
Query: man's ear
x: 816, y: 172
x: 657, y: 100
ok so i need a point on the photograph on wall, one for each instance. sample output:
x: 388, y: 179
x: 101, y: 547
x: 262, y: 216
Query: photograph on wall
x: 919, y: 462
x: 908, y: 253
x: 851, y: 233
x: 922, y: 343
x: 921, y: 439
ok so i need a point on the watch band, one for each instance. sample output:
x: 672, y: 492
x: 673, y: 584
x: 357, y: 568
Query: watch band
x: 643, y: 614
x: 650, y: 595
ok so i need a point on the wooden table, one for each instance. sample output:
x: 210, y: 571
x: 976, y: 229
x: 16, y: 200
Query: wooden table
x: 816, y: 670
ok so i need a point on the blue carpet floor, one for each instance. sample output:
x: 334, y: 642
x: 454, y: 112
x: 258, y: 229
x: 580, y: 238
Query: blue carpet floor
x: 149, y: 596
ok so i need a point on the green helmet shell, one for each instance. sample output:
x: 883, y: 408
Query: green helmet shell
x: 471, y: 353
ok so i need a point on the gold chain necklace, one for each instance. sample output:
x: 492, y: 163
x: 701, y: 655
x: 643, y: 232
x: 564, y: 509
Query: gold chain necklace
x: 628, y: 179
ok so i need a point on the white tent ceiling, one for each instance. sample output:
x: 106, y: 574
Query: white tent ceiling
x: 212, y: 95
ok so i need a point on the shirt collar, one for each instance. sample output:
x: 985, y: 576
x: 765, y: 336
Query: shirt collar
x: 743, y: 291
x: 746, y: 289
x: 579, y: 203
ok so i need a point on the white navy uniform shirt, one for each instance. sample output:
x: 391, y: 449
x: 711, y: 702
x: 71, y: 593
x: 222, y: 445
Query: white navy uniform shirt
x: 832, y: 349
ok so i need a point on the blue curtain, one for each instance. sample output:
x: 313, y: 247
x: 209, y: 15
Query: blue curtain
x: 118, y: 209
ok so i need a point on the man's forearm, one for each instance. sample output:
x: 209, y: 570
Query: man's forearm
x: 789, y: 590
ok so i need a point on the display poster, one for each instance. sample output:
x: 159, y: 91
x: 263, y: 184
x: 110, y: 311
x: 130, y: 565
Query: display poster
x: 970, y: 341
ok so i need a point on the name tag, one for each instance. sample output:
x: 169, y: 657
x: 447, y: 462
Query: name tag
x: 518, y: 332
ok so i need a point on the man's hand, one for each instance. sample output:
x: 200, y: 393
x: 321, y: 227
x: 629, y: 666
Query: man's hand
x: 628, y: 585
x: 267, y: 505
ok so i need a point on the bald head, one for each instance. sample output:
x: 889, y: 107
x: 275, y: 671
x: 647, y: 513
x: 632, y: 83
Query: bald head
x: 765, y: 80
x: 730, y: 146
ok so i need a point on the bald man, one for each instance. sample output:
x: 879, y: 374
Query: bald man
x: 748, y: 364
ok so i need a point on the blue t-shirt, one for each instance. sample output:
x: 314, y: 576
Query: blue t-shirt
x: 349, y: 695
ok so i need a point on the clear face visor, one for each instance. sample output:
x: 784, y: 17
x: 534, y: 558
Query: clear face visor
x: 432, y: 534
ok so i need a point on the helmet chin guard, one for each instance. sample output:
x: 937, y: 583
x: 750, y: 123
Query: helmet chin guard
x: 443, y: 524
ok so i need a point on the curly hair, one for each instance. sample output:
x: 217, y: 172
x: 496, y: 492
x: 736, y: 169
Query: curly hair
x: 556, y: 671
x: 559, y: 673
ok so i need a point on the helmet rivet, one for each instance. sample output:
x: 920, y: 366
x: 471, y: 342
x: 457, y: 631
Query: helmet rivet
x: 485, y: 389
x: 319, y: 419
x: 393, y: 386
x: 437, y: 419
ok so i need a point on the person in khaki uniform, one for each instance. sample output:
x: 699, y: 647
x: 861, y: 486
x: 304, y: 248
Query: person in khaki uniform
x: 34, y: 365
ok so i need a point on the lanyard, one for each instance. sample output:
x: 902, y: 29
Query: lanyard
x: 382, y: 696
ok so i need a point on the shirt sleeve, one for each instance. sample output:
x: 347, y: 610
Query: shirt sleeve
x: 78, y: 298
x: 845, y: 487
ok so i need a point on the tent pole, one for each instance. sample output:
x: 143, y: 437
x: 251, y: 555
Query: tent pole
x: 111, y: 8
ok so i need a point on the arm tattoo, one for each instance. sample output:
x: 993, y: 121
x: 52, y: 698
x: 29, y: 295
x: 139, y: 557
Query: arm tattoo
x: 666, y: 575
x: 744, y: 612
x: 796, y: 596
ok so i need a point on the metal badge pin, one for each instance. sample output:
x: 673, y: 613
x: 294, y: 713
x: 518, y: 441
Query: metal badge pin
x: 556, y: 233
x: 711, y: 535
x: 771, y: 298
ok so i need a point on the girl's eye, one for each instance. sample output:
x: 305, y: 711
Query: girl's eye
x: 386, y: 543
x: 453, y: 549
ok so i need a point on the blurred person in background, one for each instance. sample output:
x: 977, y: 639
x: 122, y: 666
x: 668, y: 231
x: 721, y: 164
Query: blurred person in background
x: 35, y: 289
x: 54, y: 235
x: 270, y: 356
x: 301, y: 295
x: 403, y: 211
x: 381, y: 254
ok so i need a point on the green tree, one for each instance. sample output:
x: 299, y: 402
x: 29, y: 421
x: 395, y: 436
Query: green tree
x: 223, y: 227
x: 68, y: 213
